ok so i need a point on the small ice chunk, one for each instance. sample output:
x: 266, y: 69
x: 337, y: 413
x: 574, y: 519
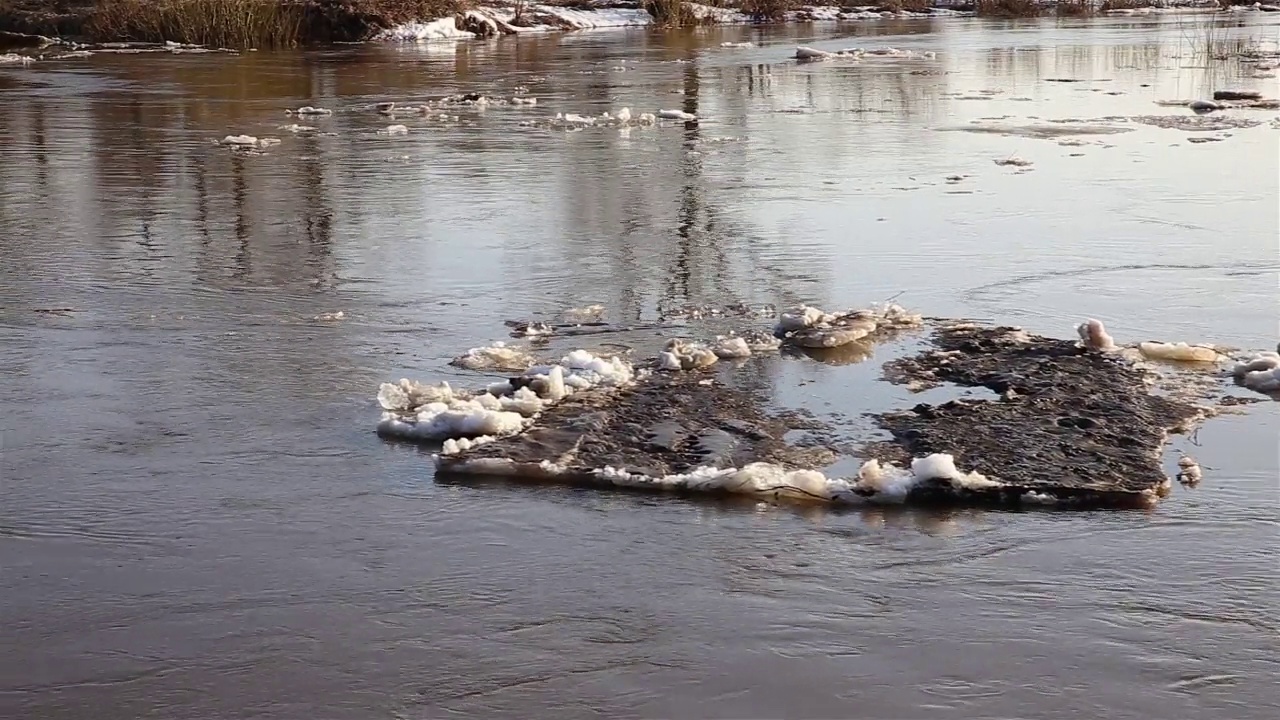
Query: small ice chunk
x: 808, y: 53
x: 676, y: 115
x: 799, y: 318
x: 683, y: 355
x: 647, y: 119
x: 1093, y: 334
x: 730, y: 347
x: 392, y: 130
x: 1189, y: 472
x: 308, y: 110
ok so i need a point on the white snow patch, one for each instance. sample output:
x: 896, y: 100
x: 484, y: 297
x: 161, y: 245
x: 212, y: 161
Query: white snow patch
x: 443, y: 29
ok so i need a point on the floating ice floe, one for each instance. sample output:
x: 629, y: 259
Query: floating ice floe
x: 676, y: 115
x: 15, y: 59
x: 1261, y: 373
x: 498, y: 356
x: 1178, y: 352
x: 248, y: 142
x: 393, y: 130
x: 809, y: 54
x: 622, y: 119
x: 809, y: 327
x: 307, y: 110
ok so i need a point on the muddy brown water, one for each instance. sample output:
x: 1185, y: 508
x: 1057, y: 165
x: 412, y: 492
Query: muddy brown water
x: 198, y: 521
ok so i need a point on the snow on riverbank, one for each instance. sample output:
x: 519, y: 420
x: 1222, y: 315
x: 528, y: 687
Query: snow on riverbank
x: 492, y: 19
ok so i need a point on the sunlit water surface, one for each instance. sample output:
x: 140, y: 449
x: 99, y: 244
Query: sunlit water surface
x: 197, y: 520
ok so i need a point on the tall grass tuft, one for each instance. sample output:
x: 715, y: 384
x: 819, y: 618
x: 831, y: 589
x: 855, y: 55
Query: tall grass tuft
x: 214, y: 23
x: 671, y: 13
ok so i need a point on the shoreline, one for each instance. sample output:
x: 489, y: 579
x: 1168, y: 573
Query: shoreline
x: 27, y: 24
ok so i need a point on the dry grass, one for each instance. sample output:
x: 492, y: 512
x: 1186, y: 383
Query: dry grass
x: 255, y: 23
x: 671, y: 13
x: 900, y: 5
x: 1007, y: 8
x: 1074, y: 8
x: 216, y: 23
x: 762, y: 10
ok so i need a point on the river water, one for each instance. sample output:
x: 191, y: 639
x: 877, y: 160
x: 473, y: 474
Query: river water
x: 197, y: 520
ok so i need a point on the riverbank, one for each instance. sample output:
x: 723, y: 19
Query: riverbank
x: 285, y: 23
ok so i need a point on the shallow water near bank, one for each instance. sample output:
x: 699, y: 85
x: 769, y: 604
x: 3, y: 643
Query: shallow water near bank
x: 199, y: 521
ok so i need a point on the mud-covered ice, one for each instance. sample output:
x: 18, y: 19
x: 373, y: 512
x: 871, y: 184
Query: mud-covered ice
x: 1075, y: 422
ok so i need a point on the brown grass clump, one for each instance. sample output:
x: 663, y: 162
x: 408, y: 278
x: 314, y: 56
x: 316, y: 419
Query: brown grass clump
x: 1007, y: 8
x: 671, y: 13
x: 766, y: 10
x: 1074, y: 8
x: 216, y: 23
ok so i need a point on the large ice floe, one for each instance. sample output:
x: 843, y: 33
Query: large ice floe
x: 1072, y: 422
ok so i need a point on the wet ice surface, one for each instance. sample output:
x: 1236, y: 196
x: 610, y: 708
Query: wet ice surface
x: 198, y: 521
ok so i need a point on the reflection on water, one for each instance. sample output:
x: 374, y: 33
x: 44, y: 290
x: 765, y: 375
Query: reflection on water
x: 198, y: 522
